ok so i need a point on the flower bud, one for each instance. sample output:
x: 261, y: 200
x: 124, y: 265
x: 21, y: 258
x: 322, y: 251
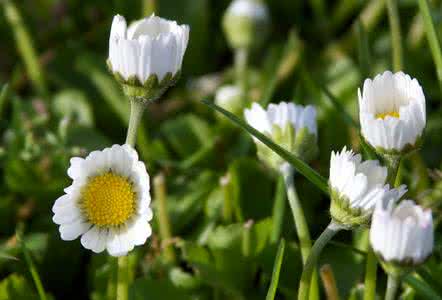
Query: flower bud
x: 291, y: 126
x: 146, y: 57
x: 246, y: 23
x: 356, y: 186
x: 401, y: 235
x: 229, y: 98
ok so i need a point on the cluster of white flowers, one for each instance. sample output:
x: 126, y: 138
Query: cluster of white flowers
x: 108, y: 201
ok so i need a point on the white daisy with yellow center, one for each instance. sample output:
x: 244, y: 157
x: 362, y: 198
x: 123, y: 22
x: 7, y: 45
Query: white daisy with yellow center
x: 356, y: 186
x: 392, y: 112
x: 402, y: 233
x: 107, y: 203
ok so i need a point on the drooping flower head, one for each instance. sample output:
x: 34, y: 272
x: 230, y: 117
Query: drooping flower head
x: 107, y: 203
x: 146, y: 57
x: 356, y: 186
x: 246, y: 23
x: 402, y: 234
x: 291, y: 126
x: 392, y: 112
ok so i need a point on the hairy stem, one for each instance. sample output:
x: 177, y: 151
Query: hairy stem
x: 370, y: 276
x: 392, y: 287
x: 302, y: 231
x: 136, y: 112
x: 309, y: 266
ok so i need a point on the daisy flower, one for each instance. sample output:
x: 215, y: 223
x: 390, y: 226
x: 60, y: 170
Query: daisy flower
x: 402, y: 233
x: 107, y: 203
x: 356, y: 186
x: 392, y: 112
x: 289, y: 125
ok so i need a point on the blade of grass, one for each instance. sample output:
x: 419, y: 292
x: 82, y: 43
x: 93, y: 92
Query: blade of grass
x: 395, y: 30
x: 289, y: 60
x: 432, y: 38
x: 3, y: 97
x: 276, y: 270
x: 25, y: 47
x: 303, y: 168
x: 31, y: 266
x: 421, y: 287
x: 363, y: 50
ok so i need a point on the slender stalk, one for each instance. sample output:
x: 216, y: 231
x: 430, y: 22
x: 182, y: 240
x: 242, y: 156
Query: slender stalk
x: 309, y: 266
x: 276, y: 270
x: 241, y: 61
x: 136, y: 112
x: 395, y: 29
x: 432, y: 38
x: 278, y: 210
x: 393, y: 163
x: 370, y: 276
x: 123, y: 278
x: 302, y: 231
x: 163, y: 217
x: 148, y: 7
x: 25, y: 47
x: 392, y: 287
x: 246, y: 238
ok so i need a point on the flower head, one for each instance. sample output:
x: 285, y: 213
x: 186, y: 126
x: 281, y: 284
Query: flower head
x: 107, y: 203
x: 402, y: 234
x: 392, y: 112
x: 246, y: 23
x: 148, y: 54
x: 229, y: 98
x: 291, y: 126
x: 356, y: 186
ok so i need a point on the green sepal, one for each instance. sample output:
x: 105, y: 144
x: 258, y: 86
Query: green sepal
x: 399, y: 267
x: 345, y: 215
x: 149, y: 90
x: 300, y: 142
x: 408, y: 148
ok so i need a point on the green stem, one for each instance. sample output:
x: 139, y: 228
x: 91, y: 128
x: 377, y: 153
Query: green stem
x: 123, y: 278
x: 136, y: 112
x: 241, y: 61
x: 396, y: 39
x: 301, y: 225
x: 393, y: 163
x: 392, y: 287
x: 432, y: 38
x: 278, y: 210
x: 370, y: 276
x: 163, y: 217
x: 310, y: 264
x: 149, y: 7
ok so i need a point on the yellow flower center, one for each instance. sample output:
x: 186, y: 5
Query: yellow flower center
x: 393, y: 114
x: 108, y: 199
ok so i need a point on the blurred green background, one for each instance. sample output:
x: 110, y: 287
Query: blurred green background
x: 67, y: 104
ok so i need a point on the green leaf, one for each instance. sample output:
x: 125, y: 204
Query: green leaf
x: 276, y: 270
x: 421, y: 287
x: 303, y: 168
x: 187, y: 134
x: 144, y: 288
x: 15, y: 287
